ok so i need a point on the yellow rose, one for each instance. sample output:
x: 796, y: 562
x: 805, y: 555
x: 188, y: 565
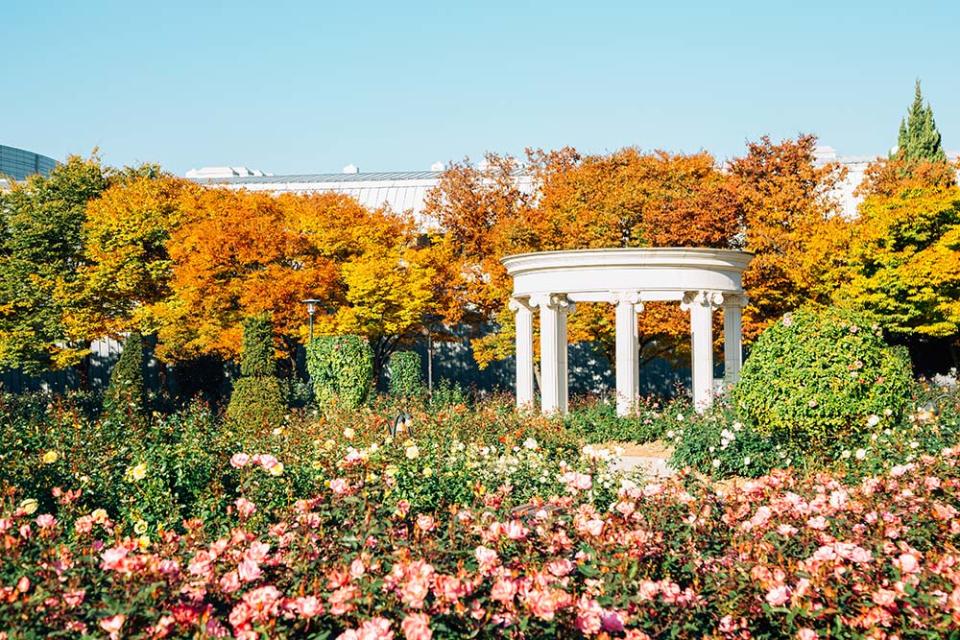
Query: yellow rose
x: 99, y: 515
x: 140, y: 528
x: 29, y: 506
x: 143, y: 542
x: 50, y: 457
x: 277, y: 469
x: 139, y: 472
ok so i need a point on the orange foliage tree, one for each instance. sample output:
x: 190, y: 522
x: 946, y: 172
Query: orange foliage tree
x: 570, y: 201
x: 236, y: 255
x: 791, y: 224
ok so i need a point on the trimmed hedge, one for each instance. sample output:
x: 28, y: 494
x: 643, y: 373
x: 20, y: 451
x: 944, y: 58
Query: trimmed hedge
x: 819, y: 375
x: 126, y: 394
x: 257, y: 399
x: 405, y: 380
x: 341, y: 369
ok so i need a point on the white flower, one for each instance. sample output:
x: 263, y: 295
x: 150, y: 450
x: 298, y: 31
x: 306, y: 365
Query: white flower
x: 713, y: 449
x: 680, y: 417
x: 860, y: 454
x: 914, y: 444
x: 349, y: 433
x: 530, y: 443
x: 888, y: 412
x: 746, y: 461
x: 737, y: 426
x: 412, y: 452
x: 845, y: 454
x: 716, y: 463
x: 670, y: 434
x: 726, y: 434
x: 873, y: 420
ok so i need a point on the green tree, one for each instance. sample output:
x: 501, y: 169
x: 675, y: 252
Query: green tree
x: 919, y: 138
x: 40, y: 248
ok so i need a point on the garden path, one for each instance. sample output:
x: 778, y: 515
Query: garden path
x: 650, y: 458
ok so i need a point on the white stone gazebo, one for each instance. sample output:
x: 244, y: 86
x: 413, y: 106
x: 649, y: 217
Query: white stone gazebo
x: 701, y: 280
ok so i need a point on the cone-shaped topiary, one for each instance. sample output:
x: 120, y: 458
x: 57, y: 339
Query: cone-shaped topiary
x: 126, y: 393
x: 257, y: 400
x: 404, y: 369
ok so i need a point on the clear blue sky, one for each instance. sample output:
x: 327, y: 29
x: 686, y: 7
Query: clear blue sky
x: 295, y: 87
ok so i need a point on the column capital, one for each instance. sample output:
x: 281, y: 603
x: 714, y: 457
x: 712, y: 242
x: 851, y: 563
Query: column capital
x: 709, y: 299
x: 735, y: 300
x: 627, y: 296
x: 553, y: 301
x: 516, y: 304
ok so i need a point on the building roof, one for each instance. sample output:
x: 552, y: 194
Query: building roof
x: 339, y: 178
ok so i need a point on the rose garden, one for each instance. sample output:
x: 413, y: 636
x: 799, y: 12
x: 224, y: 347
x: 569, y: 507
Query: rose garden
x: 247, y: 474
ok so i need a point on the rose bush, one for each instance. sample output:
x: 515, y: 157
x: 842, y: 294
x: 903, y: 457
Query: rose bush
x: 782, y: 556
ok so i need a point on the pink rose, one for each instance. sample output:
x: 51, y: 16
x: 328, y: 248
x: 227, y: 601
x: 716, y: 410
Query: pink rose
x: 45, y: 521
x: 339, y: 486
x: 907, y: 563
x: 806, y: 634
x: 416, y: 626
x: 239, y: 460
x: 230, y: 582
x: 426, y: 523
x: 245, y: 508
x: 248, y: 570
x: 308, y: 606
x: 503, y: 590
x: 113, y: 559
x: 113, y: 624
x: 778, y: 595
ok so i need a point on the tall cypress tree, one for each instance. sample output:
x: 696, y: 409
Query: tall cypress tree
x: 919, y: 138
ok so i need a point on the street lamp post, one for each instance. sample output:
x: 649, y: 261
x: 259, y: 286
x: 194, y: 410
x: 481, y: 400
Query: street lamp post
x: 312, y: 305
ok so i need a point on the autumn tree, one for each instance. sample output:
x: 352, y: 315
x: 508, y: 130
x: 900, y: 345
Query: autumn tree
x: 235, y: 255
x: 904, y: 262
x: 390, y: 275
x: 791, y: 224
x: 624, y: 199
x: 126, y: 268
x: 41, y: 248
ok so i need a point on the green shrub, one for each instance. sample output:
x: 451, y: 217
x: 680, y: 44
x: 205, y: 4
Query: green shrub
x: 598, y: 422
x: 447, y: 394
x: 257, y: 400
x: 404, y: 368
x: 126, y: 393
x: 817, y: 376
x: 716, y: 444
x: 341, y: 369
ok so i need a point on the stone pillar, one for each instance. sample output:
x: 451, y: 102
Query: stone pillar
x: 524, y: 352
x: 628, y: 358
x: 732, y: 338
x: 554, y: 309
x: 701, y: 305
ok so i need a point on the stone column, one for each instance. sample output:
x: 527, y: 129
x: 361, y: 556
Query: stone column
x: 732, y: 338
x: 701, y: 305
x: 554, y: 309
x: 628, y: 359
x: 524, y: 351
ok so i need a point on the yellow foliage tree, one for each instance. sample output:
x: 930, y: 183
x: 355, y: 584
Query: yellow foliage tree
x: 904, y: 260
